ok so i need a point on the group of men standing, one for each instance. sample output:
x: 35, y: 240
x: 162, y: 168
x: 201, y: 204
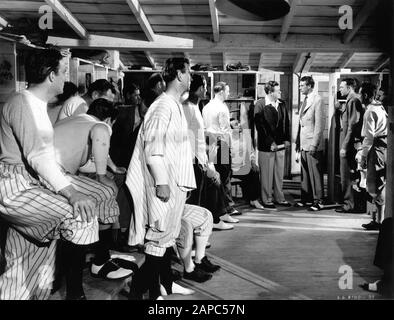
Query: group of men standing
x: 42, y: 199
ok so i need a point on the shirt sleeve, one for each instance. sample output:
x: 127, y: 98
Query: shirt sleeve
x: 200, y: 139
x: 369, y: 132
x: 155, y: 130
x: 37, y: 144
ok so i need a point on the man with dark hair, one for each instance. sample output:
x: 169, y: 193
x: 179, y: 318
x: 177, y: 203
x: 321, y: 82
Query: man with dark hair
x: 273, y: 130
x: 210, y: 191
x: 81, y: 145
x: 123, y: 139
x: 159, y: 175
x: 37, y: 199
x: 75, y: 105
x: 155, y: 87
x: 132, y: 94
x: 309, y: 142
x: 55, y: 105
x: 351, y: 119
x: 372, y: 153
x: 216, y: 117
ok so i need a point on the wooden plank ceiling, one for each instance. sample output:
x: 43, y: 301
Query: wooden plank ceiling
x: 150, y: 31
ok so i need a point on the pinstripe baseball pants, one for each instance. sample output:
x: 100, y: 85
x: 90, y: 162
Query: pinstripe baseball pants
x: 157, y: 241
x: 195, y: 221
x: 36, y: 216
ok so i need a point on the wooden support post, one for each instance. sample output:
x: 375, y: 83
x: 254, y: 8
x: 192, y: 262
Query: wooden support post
x: 331, y: 157
x: 114, y: 59
x: 390, y: 142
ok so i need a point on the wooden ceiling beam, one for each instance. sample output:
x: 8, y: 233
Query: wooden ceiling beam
x: 228, y: 42
x: 68, y: 17
x: 215, y: 20
x: 224, y: 60
x: 150, y: 59
x: 287, y: 21
x: 309, y: 62
x: 3, y: 23
x: 298, y: 62
x: 365, y: 12
x: 261, y: 61
x: 382, y: 64
x: 139, y: 14
x: 347, y: 58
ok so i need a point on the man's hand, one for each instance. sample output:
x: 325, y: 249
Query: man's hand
x: 342, y: 153
x: 255, y: 168
x: 298, y: 156
x: 213, y: 174
x: 274, y: 146
x: 119, y: 170
x: 287, y: 144
x: 361, y: 160
x: 102, y: 178
x: 163, y: 192
x: 83, y: 206
x: 313, y: 151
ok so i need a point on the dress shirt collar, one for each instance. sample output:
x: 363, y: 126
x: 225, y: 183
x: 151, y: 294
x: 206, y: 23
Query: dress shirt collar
x: 270, y: 101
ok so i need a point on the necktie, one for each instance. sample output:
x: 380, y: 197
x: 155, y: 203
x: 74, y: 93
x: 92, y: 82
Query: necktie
x: 303, y: 105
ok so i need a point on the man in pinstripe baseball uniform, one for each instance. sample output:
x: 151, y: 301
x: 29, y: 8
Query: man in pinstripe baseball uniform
x: 81, y: 146
x: 39, y: 202
x: 160, y: 173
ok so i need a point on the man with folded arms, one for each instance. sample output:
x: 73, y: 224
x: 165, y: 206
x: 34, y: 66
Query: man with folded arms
x: 273, y: 130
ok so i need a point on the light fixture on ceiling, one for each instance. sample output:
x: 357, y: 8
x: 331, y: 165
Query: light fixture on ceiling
x: 254, y: 10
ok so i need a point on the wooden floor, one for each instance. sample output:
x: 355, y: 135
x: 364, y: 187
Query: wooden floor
x: 284, y: 254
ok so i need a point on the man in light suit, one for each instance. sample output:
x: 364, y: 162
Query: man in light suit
x: 310, y: 144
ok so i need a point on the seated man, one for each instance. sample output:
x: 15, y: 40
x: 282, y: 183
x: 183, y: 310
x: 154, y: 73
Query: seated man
x: 244, y: 164
x: 75, y: 105
x: 37, y: 199
x: 210, y: 192
x: 82, y: 145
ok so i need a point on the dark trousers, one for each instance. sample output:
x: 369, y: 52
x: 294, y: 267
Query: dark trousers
x: 208, y: 195
x: 124, y: 200
x: 223, y: 167
x: 346, y: 165
x: 250, y: 184
x: 312, y: 188
x: 384, y: 253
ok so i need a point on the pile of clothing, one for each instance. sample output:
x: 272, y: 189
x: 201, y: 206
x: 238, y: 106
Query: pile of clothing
x: 237, y: 67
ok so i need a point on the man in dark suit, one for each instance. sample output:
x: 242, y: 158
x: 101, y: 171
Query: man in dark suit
x: 273, y: 130
x: 351, y: 119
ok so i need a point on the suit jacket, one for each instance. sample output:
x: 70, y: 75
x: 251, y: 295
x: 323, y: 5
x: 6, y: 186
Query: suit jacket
x: 272, y: 125
x: 351, y: 122
x: 164, y: 132
x: 312, y: 123
x: 123, y: 137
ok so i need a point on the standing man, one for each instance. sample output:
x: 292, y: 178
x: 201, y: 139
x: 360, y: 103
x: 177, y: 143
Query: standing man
x: 310, y: 143
x: 159, y: 176
x: 39, y: 202
x: 273, y: 130
x: 216, y: 117
x: 372, y: 154
x: 351, y: 118
x: 210, y: 192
